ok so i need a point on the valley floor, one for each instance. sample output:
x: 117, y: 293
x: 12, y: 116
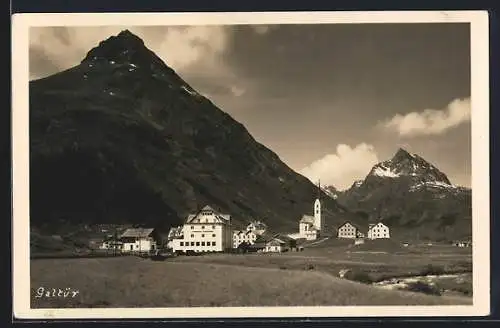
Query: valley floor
x: 305, y: 278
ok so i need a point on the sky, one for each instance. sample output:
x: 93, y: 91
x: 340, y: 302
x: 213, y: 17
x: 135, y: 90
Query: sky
x: 331, y: 100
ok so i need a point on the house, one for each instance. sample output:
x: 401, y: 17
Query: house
x: 111, y: 243
x: 204, y: 231
x: 138, y: 240
x: 257, y: 227
x: 174, y: 232
x: 349, y: 230
x: 241, y: 236
x: 275, y: 243
x: 378, y: 231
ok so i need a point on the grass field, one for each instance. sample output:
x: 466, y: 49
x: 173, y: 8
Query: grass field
x: 289, y: 279
x: 136, y: 282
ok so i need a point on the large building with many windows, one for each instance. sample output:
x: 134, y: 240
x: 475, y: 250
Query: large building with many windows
x: 378, y: 231
x: 205, y: 231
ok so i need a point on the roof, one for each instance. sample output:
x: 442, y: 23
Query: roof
x: 351, y: 223
x: 307, y: 219
x: 370, y: 226
x: 267, y: 237
x: 137, y: 232
x: 275, y: 242
x: 207, y: 208
x: 220, y: 216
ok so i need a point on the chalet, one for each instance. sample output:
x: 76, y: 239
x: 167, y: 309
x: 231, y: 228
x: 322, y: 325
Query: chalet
x: 241, y: 236
x: 138, y: 240
x: 257, y: 227
x: 275, y: 243
x: 349, y: 230
x: 378, y: 231
x: 204, y: 231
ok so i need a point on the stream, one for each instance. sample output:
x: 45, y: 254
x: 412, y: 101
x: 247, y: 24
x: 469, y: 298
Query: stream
x: 447, y: 283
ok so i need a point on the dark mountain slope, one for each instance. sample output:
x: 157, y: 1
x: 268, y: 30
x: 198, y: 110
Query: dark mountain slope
x: 121, y: 138
x: 414, y: 197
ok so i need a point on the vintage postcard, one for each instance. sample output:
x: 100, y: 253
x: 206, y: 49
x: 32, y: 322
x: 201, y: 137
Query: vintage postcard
x: 201, y: 165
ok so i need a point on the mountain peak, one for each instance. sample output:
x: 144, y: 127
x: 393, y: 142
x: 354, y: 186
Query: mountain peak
x: 411, y: 165
x: 403, y: 154
x: 123, y: 48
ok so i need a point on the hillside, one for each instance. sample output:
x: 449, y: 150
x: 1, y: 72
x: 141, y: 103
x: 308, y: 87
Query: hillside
x: 121, y: 138
x: 414, y: 197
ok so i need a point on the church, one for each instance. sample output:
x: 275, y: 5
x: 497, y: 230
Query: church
x: 310, y: 226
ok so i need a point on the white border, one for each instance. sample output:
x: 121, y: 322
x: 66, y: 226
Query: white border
x: 480, y: 159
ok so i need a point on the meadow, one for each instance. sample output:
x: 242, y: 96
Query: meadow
x: 308, y: 278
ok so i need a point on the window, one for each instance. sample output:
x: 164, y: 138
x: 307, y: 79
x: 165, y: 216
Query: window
x: 192, y: 235
x: 192, y: 243
x: 203, y: 227
x: 182, y: 243
x: 192, y: 227
x: 197, y: 243
x: 202, y: 243
x: 202, y: 235
x: 213, y: 235
x: 213, y: 227
x: 213, y: 243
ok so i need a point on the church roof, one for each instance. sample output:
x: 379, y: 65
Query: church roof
x: 307, y: 219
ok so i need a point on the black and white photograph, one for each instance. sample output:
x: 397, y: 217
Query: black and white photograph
x: 250, y: 164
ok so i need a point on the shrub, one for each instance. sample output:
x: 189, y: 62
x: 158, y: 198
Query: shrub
x: 422, y: 287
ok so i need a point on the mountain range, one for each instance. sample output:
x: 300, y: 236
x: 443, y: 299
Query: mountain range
x: 411, y: 195
x: 122, y: 139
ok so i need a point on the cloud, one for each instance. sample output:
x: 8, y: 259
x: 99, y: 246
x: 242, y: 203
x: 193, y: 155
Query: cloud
x: 237, y: 91
x: 342, y: 168
x: 431, y: 121
x: 181, y: 47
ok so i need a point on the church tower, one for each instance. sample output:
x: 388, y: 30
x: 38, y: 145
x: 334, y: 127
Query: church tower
x: 317, y: 210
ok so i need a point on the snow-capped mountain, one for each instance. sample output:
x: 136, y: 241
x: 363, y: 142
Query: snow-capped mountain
x: 408, y: 190
x: 405, y: 164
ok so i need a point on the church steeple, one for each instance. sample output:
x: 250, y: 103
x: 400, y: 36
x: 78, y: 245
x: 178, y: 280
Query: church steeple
x: 319, y: 190
x: 317, y: 209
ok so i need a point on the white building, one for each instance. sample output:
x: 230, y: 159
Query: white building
x: 307, y: 228
x: 138, y: 240
x: 349, y: 230
x: 205, y: 231
x: 241, y: 236
x: 277, y: 244
x: 378, y: 231
x: 257, y: 227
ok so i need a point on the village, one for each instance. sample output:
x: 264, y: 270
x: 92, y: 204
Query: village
x: 209, y: 231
